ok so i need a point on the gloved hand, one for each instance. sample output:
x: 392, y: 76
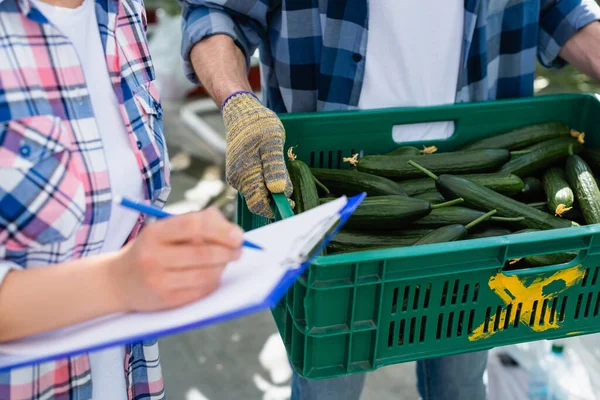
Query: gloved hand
x: 254, y: 157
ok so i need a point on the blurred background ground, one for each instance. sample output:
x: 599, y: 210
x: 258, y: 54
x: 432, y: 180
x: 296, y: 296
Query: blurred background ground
x: 224, y: 361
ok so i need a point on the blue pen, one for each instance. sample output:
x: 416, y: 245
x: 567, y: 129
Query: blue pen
x: 158, y: 213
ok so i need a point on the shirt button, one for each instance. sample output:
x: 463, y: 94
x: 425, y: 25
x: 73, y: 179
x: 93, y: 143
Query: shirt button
x: 356, y: 57
x: 25, y: 150
x: 139, y: 145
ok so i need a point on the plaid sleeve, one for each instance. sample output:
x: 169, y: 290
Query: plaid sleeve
x: 242, y: 20
x: 559, y: 21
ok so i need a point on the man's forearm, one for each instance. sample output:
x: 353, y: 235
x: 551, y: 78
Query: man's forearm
x: 583, y: 51
x: 221, y: 67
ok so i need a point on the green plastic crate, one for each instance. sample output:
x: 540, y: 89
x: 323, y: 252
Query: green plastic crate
x: 352, y: 313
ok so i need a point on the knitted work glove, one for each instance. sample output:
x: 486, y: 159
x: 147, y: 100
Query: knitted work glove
x: 254, y: 155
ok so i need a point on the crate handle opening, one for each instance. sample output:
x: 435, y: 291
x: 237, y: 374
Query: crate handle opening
x: 542, y: 263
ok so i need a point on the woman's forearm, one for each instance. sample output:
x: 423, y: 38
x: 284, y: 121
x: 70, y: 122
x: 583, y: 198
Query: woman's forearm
x: 41, y: 299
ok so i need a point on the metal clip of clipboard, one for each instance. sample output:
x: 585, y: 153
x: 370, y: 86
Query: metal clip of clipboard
x: 313, y: 240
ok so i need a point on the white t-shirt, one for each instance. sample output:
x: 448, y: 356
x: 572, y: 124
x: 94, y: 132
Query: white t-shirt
x: 413, y: 56
x: 81, y: 28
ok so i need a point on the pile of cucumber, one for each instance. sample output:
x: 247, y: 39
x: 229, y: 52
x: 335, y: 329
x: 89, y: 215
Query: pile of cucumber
x: 530, y: 179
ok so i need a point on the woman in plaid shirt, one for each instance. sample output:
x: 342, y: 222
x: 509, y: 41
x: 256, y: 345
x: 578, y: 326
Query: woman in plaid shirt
x: 80, y: 123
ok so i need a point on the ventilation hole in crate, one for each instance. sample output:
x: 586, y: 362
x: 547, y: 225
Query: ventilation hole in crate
x: 449, y: 327
x: 338, y: 164
x: 312, y: 159
x: 444, y: 294
x: 455, y: 292
x: 352, y: 153
x: 405, y: 300
x: 391, y: 334
x: 597, y: 306
x: 401, y: 332
x: 518, y: 314
x: 438, y: 332
x: 461, y: 317
x: 588, y: 304
x: 330, y: 159
x: 423, y: 326
x: 578, y: 306
x: 586, y: 273
x: 507, y: 316
x: 427, y: 296
x: 563, y: 308
x: 543, y: 312
x: 465, y: 293
x: 416, y: 299
x: 411, y: 336
x: 476, y: 293
x: 487, y: 320
x: 533, y: 313
x: 321, y: 157
x: 553, y: 311
x: 395, y: 300
x: 470, y: 325
x: 595, y: 277
x: 497, y: 318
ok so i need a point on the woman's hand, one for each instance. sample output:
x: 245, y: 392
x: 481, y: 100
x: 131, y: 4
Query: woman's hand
x: 175, y: 261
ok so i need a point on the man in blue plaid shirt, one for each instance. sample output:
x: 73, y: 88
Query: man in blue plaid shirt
x: 319, y: 55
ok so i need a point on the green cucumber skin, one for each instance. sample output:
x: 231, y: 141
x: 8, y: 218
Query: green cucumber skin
x: 581, y: 179
x: 386, y: 212
x: 484, y: 199
x: 557, y: 189
x: 507, y: 184
x: 448, y: 216
x: 397, y: 167
x: 405, y: 151
x: 592, y: 157
x: 350, y: 183
x: 349, y: 241
x: 541, y: 157
x: 489, y: 232
x: 550, y: 259
x: 521, y: 137
x: 305, y: 193
x: 434, y: 197
x: 448, y: 233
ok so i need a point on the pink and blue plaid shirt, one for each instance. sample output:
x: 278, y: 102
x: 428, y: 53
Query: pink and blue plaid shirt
x: 55, y: 196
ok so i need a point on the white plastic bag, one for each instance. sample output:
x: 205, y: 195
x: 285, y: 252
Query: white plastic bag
x: 165, y: 45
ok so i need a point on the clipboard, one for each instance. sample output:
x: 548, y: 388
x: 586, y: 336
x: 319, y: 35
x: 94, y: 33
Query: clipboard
x: 256, y: 282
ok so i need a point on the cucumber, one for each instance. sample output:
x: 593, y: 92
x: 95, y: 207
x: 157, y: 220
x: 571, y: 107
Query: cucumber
x: 507, y: 184
x: 521, y: 137
x: 489, y: 232
x: 434, y: 197
x: 350, y: 183
x: 451, y: 233
x: 592, y: 157
x: 462, y: 162
x: 559, y: 194
x: 551, y: 259
x: 533, y: 190
x: 448, y: 216
x: 541, y: 157
x: 405, y: 151
x: 481, y: 198
x: 350, y: 241
x: 580, y: 178
x: 389, y: 212
x: 305, y: 195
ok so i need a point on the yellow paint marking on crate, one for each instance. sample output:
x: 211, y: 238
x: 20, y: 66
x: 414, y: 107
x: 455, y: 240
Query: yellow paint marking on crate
x: 512, y: 290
